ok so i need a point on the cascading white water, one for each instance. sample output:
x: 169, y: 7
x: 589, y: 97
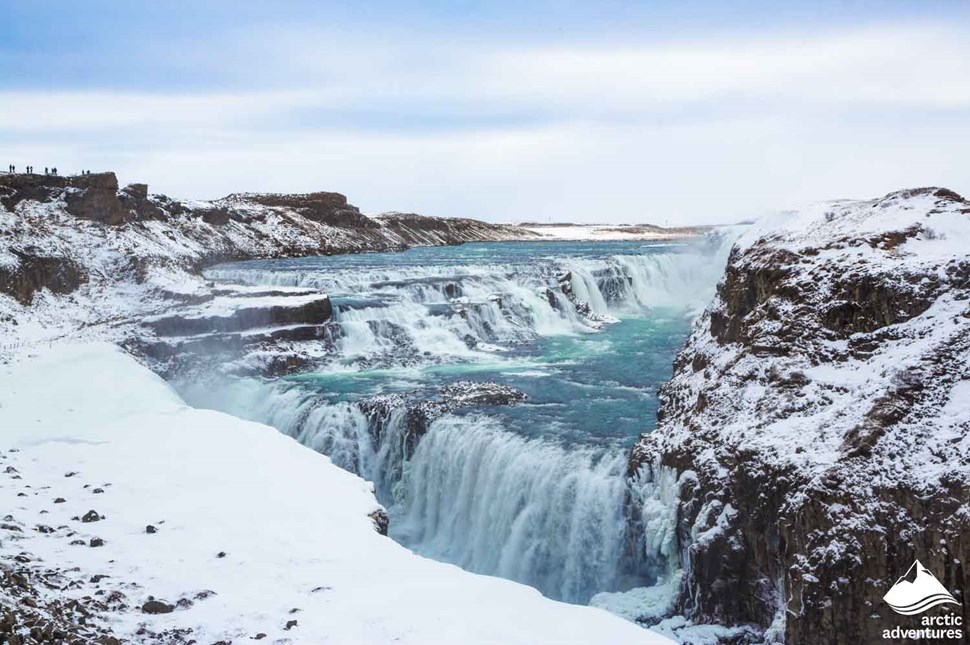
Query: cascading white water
x: 563, y: 518
x: 340, y: 430
x: 494, y: 502
x: 434, y: 311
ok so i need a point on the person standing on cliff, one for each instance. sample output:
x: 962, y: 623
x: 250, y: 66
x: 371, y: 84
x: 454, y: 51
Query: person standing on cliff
x: 54, y: 171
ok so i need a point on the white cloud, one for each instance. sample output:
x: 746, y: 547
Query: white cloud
x: 707, y: 131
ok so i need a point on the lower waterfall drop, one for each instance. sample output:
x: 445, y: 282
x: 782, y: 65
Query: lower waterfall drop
x: 493, y: 502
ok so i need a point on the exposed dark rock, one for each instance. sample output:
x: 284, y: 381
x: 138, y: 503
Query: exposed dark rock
x: 422, y: 408
x: 325, y: 208
x: 134, y: 199
x: 381, y: 520
x: 150, y: 529
x: 216, y: 216
x: 157, y: 607
x: 95, y: 197
x: 36, y: 272
x: 91, y: 516
x: 30, y: 613
x: 315, y: 312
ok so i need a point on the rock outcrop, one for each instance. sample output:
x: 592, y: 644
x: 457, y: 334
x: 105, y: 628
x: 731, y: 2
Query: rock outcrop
x: 325, y: 208
x: 30, y: 273
x: 230, y: 325
x: 821, y: 414
x: 244, y: 315
x: 420, y: 409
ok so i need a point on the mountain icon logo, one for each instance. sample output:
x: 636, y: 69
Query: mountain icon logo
x: 917, y: 591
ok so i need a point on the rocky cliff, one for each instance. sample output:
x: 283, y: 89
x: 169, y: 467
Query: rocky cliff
x: 78, y: 252
x: 819, y: 420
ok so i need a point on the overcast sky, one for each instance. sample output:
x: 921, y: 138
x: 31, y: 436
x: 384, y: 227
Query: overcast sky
x: 676, y: 112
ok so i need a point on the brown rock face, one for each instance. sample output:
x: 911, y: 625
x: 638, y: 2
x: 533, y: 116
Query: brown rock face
x: 812, y: 405
x: 95, y: 197
x: 34, y: 273
x: 134, y: 200
x: 92, y: 197
x: 325, y: 208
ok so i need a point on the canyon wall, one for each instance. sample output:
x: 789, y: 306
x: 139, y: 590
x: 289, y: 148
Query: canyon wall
x: 820, y: 418
x: 53, y: 226
x: 79, y: 255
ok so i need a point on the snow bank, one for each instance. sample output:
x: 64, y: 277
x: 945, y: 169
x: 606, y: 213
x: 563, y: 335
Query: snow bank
x: 294, y: 529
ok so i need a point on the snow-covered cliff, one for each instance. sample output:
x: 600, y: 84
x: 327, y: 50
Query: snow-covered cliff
x: 820, y: 418
x: 78, y: 255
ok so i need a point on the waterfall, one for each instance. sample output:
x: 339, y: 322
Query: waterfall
x: 466, y: 488
x: 445, y: 312
x: 565, y: 520
x: 496, y: 503
x: 655, y: 493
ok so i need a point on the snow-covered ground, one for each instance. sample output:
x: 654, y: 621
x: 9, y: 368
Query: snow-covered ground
x: 274, y: 529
